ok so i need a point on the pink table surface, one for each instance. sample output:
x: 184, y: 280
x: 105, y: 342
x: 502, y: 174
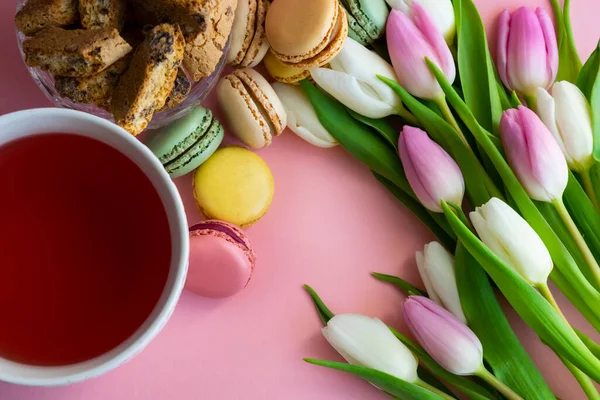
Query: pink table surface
x: 330, y: 225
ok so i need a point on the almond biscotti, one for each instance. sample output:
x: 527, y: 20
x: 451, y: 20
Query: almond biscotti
x: 181, y: 89
x: 97, y: 14
x: 149, y: 80
x: 75, y: 52
x: 39, y: 14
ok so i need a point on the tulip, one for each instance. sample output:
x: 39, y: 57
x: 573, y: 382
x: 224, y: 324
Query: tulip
x: 432, y: 173
x: 436, y: 267
x: 527, y: 52
x: 533, y: 154
x: 368, y: 342
x: 511, y: 238
x: 447, y: 340
x: 568, y: 115
x: 410, y: 40
x: 440, y: 11
x: 301, y: 116
x: 353, y: 81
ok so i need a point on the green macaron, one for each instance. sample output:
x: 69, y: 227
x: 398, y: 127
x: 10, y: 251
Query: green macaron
x: 366, y: 19
x: 185, y: 144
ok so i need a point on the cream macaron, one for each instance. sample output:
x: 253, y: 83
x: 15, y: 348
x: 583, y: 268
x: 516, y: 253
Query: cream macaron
x: 248, y: 43
x: 306, y: 33
x: 252, y: 109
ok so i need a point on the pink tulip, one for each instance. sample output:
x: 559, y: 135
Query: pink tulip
x: 431, y: 172
x: 447, y: 340
x: 533, y: 154
x: 527, y: 52
x: 410, y: 40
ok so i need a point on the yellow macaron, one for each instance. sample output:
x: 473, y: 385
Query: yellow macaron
x: 283, y: 72
x: 234, y: 185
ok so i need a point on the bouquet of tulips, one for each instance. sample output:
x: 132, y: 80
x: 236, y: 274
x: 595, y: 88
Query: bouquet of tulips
x: 519, y: 133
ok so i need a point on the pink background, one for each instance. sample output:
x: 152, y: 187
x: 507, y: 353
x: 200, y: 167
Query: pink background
x: 330, y: 225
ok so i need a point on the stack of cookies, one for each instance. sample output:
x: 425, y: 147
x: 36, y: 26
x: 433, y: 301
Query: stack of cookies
x: 130, y: 57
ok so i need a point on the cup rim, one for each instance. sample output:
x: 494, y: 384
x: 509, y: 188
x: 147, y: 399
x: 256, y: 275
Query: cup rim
x: 33, y: 375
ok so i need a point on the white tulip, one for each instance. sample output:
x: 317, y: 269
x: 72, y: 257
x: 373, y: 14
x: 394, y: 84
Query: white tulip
x: 302, y: 118
x: 436, y: 267
x: 440, y: 11
x: 369, y: 343
x: 511, y: 238
x: 353, y: 81
x: 568, y: 115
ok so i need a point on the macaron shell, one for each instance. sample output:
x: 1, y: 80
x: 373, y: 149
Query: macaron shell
x: 234, y: 185
x: 242, y: 30
x: 170, y: 142
x: 198, y: 153
x: 356, y: 32
x: 300, y: 29
x: 283, y: 72
x: 259, y: 44
x: 241, y: 113
x: 218, y: 266
x: 370, y: 14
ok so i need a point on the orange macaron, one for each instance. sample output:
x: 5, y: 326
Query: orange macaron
x: 306, y: 33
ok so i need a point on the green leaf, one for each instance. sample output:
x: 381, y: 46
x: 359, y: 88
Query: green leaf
x: 514, y: 100
x: 386, y: 130
x: 478, y: 76
x: 560, y: 255
x: 478, y: 183
x: 569, y: 63
x: 575, y: 298
x: 501, y: 347
x: 590, y: 344
x: 465, y: 385
x: 528, y: 303
x: 404, y: 286
x: 589, y: 83
x: 386, y: 382
x: 324, y: 312
x: 436, y: 223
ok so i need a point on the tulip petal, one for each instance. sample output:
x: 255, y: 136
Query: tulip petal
x: 487, y: 236
x: 420, y: 257
x: 546, y: 110
x: 502, y: 56
x: 551, y: 46
x: 354, y: 94
x: 434, y: 37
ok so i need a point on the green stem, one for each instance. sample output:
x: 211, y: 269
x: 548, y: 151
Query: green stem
x: 406, y: 115
x: 497, y: 384
x: 588, y: 186
x: 435, y: 390
x: 579, y: 240
x: 545, y: 291
x: 531, y: 102
x: 447, y: 114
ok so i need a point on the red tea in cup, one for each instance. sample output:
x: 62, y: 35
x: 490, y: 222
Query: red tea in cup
x: 85, y: 249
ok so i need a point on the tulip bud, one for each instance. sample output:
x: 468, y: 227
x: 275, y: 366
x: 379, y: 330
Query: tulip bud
x: 533, y: 154
x: 431, y: 172
x: 412, y: 38
x: 436, y: 267
x: 447, y: 340
x: 511, y: 238
x: 368, y: 342
x: 301, y: 116
x: 353, y: 81
x: 440, y: 11
x: 527, y: 51
x: 568, y: 115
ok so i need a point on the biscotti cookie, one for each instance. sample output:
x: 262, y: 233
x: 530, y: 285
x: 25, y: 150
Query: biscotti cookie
x: 181, y: 89
x: 76, y: 52
x: 97, y: 14
x: 206, y: 25
x: 145, y: 86
x: 39, y: 14
x: 96, y: 89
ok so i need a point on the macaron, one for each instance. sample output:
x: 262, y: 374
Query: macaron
x: 306, y: 33
x: 248, y: 43
x: 302, y: 118
x: 234, y: 185
x: 221, y: 259
x: 366, y: 19
x: 283, y: 72
x: 188, y: 142
x: 251, y: 107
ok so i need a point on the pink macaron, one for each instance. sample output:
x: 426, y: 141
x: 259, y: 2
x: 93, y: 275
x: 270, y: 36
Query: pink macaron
x: 221, y: 259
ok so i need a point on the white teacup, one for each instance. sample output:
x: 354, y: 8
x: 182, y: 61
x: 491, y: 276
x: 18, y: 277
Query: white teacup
x: 50, y: 120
